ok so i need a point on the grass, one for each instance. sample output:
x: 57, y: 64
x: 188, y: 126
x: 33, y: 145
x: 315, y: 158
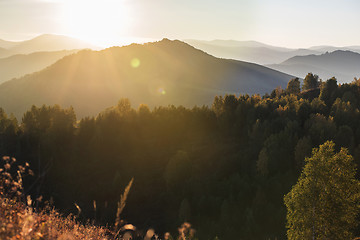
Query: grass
x: 20, y: 220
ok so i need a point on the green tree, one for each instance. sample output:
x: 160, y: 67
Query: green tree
x: 177, y: 171
x: 302, y: 150
x: 184, y: 211
x: 277, y: 92
x: 311, y: 81
x: 324, y: 203
x: 328, y: 91
x: 293, y: 86
x: 345, y: 137
x: 262, y: 163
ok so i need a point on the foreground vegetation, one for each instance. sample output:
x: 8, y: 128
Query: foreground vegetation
x: 325, y: 202
x: 20, y: 220
x: 225, y: 168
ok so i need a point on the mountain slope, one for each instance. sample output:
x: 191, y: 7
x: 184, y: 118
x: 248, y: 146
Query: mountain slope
x: 20, y: 64
x: 160, y: 73
x: 344, y: 65
x: 249, y: 51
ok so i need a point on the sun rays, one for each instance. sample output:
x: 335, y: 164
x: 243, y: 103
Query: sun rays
x: 99, y: 22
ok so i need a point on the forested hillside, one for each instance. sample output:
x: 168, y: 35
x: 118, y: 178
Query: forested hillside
x: 224, y: 168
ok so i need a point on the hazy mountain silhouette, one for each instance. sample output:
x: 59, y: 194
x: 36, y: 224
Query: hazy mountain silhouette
x: 7, y: 44
x: 5, y: 53
x: 43, y: 43
x: 325, y: 48
x: 344, y: 65
x: 234, y: 43
x: 159, y: 73
x: 250, y: 51
x: 21, y: 64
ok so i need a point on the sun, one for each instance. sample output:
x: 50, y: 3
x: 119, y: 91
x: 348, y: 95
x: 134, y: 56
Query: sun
x: 97, y: 21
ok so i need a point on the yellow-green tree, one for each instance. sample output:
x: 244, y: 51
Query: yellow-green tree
x: 293, y: 86
x: 324, y: 203
x: 311, y: 81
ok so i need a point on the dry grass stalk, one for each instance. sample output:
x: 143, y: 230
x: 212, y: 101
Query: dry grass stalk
x: 122, y: 203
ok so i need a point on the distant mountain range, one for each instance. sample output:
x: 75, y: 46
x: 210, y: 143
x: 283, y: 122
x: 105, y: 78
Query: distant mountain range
x: 43, y: 43
x: 21, y: 64
x: 5, y: 53
x: 7, y: 44
x: 344, y: 65
x: 249, y: 51
x: 325, y: 48
x: 20, y: 58
x: 326, y: 61
x: 159, y: 73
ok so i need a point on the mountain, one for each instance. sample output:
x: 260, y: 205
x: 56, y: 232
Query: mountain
x: 325, y: 48
x: 159, y: 73
x: 21, y: 64
x: 49, y: 42
x: 5, y: 53
x: 7, y: 44
x: 249, y: 51
x: 234, y: 43
x: 344, y: 65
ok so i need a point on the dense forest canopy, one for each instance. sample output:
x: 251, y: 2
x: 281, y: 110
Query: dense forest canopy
x: 224, y: 168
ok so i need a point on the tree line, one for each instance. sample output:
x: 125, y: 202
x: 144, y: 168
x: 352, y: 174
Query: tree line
x: 224, y: 168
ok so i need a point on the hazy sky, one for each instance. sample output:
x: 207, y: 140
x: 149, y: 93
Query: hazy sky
x: 288, y: 23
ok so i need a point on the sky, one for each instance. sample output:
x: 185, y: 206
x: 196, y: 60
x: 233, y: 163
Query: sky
x: 286, y: 23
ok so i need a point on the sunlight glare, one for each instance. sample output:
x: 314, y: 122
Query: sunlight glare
x: 97, y: 21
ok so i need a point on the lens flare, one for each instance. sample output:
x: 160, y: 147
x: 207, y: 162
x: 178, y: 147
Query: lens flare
x: 162, y: 91
x: 135, y: 63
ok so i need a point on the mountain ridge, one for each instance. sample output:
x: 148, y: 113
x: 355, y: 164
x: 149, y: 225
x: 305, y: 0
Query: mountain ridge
x: 342, y: 64
x: 21, y: 64
x: 45, y: 42
x: 159, y: 73
x: 249, y: 51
